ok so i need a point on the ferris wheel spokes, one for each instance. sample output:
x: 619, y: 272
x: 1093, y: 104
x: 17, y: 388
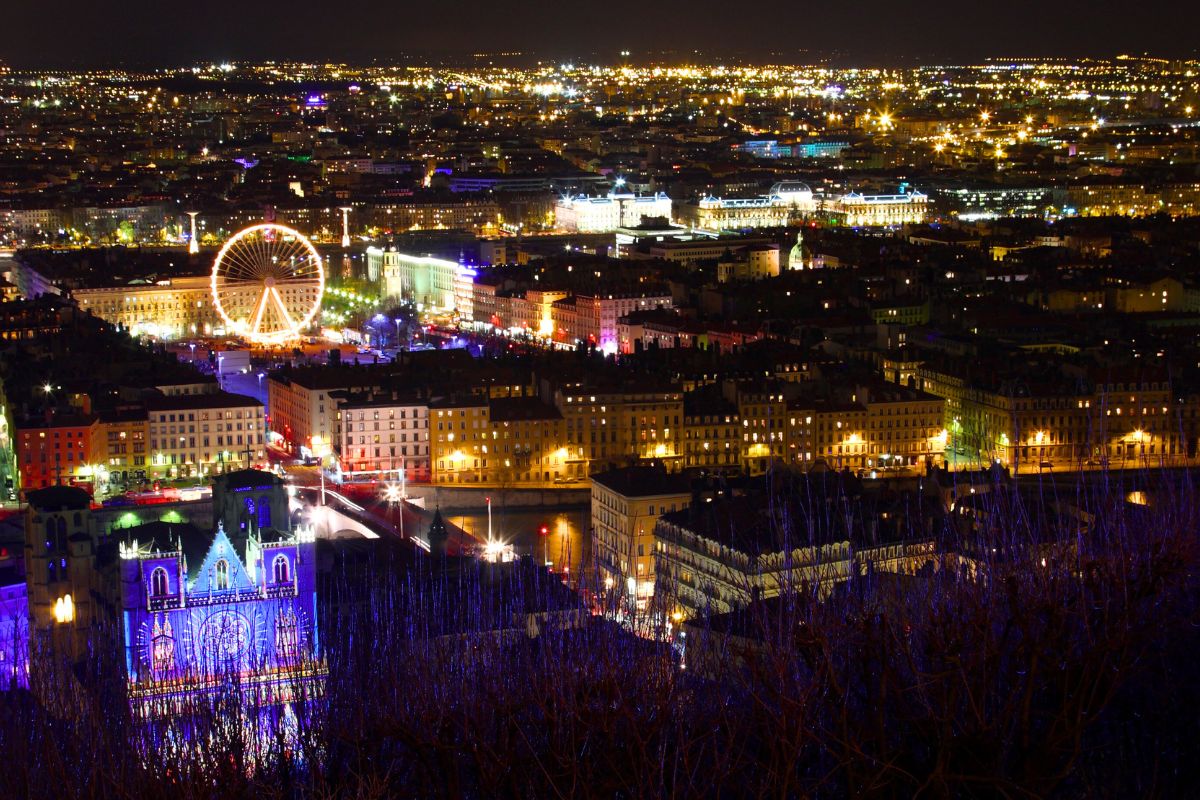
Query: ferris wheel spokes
x: 267, y: 283
x: 258, y: 314
x: 283, y: 310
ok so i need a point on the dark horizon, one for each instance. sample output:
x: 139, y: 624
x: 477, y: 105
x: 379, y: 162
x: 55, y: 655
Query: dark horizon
x: 526, y: 59
x: 878, y: 34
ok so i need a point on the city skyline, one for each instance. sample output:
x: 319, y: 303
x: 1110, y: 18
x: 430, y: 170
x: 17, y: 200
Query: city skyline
x: 625, y: 402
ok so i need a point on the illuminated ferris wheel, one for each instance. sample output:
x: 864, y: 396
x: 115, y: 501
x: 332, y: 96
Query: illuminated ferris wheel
x: 267, y: 283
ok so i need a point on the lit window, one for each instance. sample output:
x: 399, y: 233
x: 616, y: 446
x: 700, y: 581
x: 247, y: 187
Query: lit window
x: 159, y: 585
x: 280, y: 569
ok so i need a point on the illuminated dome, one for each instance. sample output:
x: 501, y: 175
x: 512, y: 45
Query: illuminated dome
x: 793, y: 192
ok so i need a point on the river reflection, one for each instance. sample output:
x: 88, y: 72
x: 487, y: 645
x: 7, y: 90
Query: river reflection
x: 566, y: 541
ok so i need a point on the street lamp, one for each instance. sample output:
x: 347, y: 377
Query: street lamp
x: 64, y: 610
x: 392, y: 494
x: 631, y: 587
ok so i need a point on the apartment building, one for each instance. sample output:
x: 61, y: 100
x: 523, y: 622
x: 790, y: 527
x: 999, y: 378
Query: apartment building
x: 303, y: 408
x: 625, y: 505
x: 384, y: 433
x: 60, y: 450
x: 501, y: 441
x: 124, y: 436
x: 204, y: 434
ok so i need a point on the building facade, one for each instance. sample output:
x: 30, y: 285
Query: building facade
x: 125, y: 439
x: 384, y: 434
x: 193, y: 435
x: 192, y: 612
x: 498, y: 441
x: 172, y: 309
x: 424, y: 281
x: 583, y: 214
x: 879, y: 210
x: 63, y: 450
x: 626, y: 503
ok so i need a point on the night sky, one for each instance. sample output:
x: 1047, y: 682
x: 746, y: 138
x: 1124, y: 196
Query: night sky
x: 148, y: 32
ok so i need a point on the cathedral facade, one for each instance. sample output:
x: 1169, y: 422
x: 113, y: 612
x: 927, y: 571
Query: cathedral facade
x: 224, y: 617
x: 225, y: 600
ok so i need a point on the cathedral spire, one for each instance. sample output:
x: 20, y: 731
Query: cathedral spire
x: 798, y: 257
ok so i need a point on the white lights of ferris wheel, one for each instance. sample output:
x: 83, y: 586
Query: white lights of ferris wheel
x: 267, y: 283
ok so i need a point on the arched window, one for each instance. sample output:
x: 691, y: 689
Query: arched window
x: 78, y: 519
x: 222, y: 569
x: 159, y: 585
x: 287, y: 636
x: 60, y: 537
x: 162, y: 647
x: 281, y: 570
x: 264, y: 512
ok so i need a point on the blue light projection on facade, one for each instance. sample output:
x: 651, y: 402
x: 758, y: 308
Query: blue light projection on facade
x: 232, y: 619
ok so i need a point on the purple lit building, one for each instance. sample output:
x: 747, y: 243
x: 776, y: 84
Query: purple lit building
x: 196, y: 610
x: 238, y: 604
x: 201, y: 616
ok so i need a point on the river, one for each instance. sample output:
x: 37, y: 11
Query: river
x: 566, y: 540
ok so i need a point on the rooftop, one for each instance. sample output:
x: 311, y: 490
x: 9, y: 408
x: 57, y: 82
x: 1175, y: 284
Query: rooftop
x: 193, y: 402
x: 650, y: 481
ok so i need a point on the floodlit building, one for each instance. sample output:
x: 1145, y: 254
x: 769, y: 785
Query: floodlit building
x: 205, y: 433
x: 626, y: 504
x: 169, y: 309
x: 787, y: 202
x: 193, y: 612
x: 879, y: 210
x: 615, y: 210
x: 715, y: 213
x: 431, y: 283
